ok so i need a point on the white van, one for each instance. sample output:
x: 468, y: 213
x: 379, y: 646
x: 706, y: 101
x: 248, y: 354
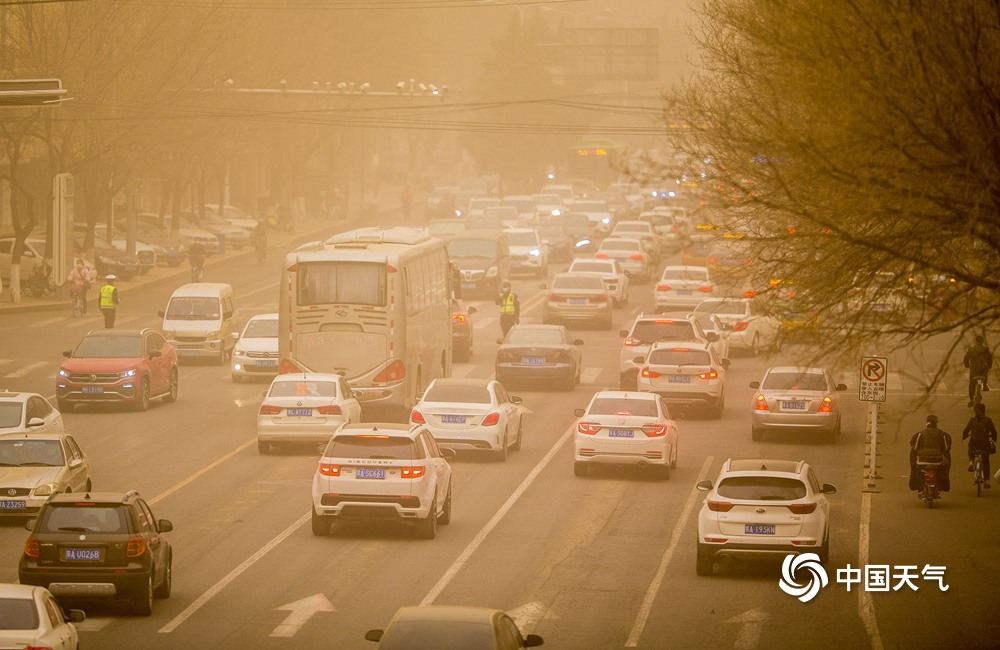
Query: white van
x: 199, y: 320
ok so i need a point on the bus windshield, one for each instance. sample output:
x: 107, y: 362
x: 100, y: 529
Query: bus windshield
x: 323, y: 283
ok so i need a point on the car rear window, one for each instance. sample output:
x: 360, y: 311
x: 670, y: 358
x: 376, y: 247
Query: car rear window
x: 794, y: 381
x: 690, y: 275
x: 679, y: 357
x: 529, y: 336
x: 18, y: 614
x: 623, y: 406
x: 620, y: 245
x: 87, y: 518
x: 762, y: 488
x: 650, y: 331
x: 458, y: 393
x: 453, y: 635
x: 373, y: 446
x: 591, y: 267
x: 27, y: 453
x: 303, y: 388
x: 590, y: 282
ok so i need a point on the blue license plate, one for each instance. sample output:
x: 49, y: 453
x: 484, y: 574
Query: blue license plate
x: 186, y: 353
x: 11, y: 505
x: 267, y: 363
x: 367, y: 472
x: 468, y: 285
x: 621, y: 433
x: 300, y: 413
x: 683, y: 292
x: 679, y: 379
x: 533, y: 361
x: 758, y: 529
x: 82, y: 554
x: 577, y: 301
x: 793, y: 406
x: 456, y: 419
x: 93, y: 389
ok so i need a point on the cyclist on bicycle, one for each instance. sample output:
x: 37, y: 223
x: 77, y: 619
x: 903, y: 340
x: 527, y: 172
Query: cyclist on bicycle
x: 79, y: 279
x: 982, y: 435
x: 978, y: 359
x: 930, y: 442
x: 260, y: 241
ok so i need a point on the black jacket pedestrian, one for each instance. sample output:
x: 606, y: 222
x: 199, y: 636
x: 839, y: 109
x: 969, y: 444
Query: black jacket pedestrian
x: 930, y: 441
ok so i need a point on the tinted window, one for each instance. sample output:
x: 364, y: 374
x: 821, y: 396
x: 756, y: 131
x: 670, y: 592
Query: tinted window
x: 690, y: 275
x: 91, y: 518
x: 590, y: 267
x: 467, y: 248
x: 18, y: 614
x: 38, y: 453
x: 623, y: 406
x: 620, y: 245
x: 303, y: 388
x: 762, y: 488
x: 680, y: 357
x: 109, y: 347
x: 348, y: 446
x: 650, y: 331
x: 458, y: 393
x: 528, y: 336
x: 193, y: 309
x: 731, y: 307
x: 450, y: 635
x: 794, y: 381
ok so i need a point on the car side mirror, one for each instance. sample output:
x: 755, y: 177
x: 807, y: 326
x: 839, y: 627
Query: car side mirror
x: 828, y: 489
x: 155, y: 353
x: 448, y: 452
x: 704, y: 486
x: 35, y: 422
x: 68, y: 354
x: 638, y: 359
x: 164, y: 525
x: 712, y: 336
x: 76, y: 616
x: 373, y: 635
x: 623, y: 333
x: 471, y: 310
x: 755, y: 384
x: 726, y: 363
x: 533, y: 641
x: 579, y: 412
x: 30, y: 524
x: 500, y: 341
x: 841, y: 387
x: 516, y: 399
x: 160, y: 314
x: 577, y: 341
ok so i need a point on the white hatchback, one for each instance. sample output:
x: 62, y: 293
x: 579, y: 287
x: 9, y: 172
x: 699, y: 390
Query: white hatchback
x: 383, y: 471
x: 304, y: 407
x: 28, y: 412
x: 763, y: 509
x: 471, y: 414
x: 256, y: 351
x: 685, y: 373
x: 625, y: 428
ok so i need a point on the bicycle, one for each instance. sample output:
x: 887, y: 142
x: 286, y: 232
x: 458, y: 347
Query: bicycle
x: 977, y: 395
x: 79, y: 306
x: 261, y: 253
x: 978, y: 477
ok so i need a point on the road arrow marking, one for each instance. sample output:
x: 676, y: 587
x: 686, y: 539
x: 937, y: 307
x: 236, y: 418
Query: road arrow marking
x: 528, y: 615
x: 751, y: 624
x: 301, y: 612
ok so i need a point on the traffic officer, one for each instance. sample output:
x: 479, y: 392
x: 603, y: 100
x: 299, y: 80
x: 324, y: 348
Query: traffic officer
x: 108, y: 301
x: 510, y: 307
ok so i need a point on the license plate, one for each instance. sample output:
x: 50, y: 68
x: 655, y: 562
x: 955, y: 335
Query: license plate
x: 683, y: 292
x: 621, y: 433
x: 84, y: 554
x: 300, y: 413
x: 131, y: 267
x: 468, y: 285
x: 456, y: 419
x: 11, y: 505
x: 366, y: 472
x: 577, y: 301
x: 679, y: 379
x: 793, y: 406
x: 758, y: 529
x: 186, y: 353
x: 267, y: 363
x: 533, y: 361
x: 93, y: 389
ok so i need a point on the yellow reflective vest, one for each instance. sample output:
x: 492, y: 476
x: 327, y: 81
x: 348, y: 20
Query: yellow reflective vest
x: 507, y: 303
x: 108, y: 297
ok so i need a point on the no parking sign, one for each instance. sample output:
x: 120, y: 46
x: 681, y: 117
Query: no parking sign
x: 872, y: 384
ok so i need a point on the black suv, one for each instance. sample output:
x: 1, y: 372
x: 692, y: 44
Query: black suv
x: 101, y: 545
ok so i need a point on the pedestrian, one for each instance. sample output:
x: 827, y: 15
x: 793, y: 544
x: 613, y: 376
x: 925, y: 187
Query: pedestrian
x: 978, y: 359
x: 982, y: 435
x: 510, y: 307
x: 108, y: 301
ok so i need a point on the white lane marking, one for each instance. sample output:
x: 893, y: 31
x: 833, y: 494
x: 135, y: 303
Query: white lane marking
x: 300, y: 612
x: 232, y: 575
x: 527, y: 615
x: 4, y: 362
x: 20, y: 372
x: 668, y: 554
x: 50, y: 321
x: 866, y: 608
x: 751, y: 624
x: 163, y: 495
x: 590, y: 375
x: 492, y: 523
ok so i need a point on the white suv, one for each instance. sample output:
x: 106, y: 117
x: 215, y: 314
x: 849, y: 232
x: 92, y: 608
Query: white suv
x: 685, y: 373
x: 383, y: 471
x: 647, y: 330
x: 528, y: 254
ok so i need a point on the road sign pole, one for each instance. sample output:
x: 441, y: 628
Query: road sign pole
x: 870, y: 486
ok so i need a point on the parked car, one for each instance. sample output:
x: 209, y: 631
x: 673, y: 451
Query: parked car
x: 170, y: 250
x: 143, y: 251
x: 188, y: 233
x: 32, y: 256
x: 108, y: 260
x: 36, y: 465
x: 256, y: 351
x: 578, y: 298
x: 304, y: 408
x: 539, y: 353
x: 438, y: 626
x: 797, y: 398
x: 118, y: 366
x: 33, y: 619
x: 23, y: 412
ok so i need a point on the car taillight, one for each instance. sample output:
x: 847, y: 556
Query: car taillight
x: 647, y: 372
x: 411, y: 472
x: 31, y: 546
x: 760, y: 403
x: 663, y: 287
x: 826, y: 405
x: 712, y: 373
x: 588, y: 428
x: 491, y: 419
x: 458, y: 318
x: 801, y: 508
x: 654, y: 430
x: 631, y: 341
x: 740, y: 326
x: 553, y: 298
x: 636, y: 256
x: 330, y: 409
x: 720, y: 506
x: 394, y: 372
x: 705, y: 289
x: 601, y: 256
x: 269, y: 409
x: 326, y: 469
x: 135, y: 546
x: 601, y: 298
x: 416, y: 417
x: 506, y: 355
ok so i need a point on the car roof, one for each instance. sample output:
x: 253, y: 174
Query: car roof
x: 805, y: 370
x: 307, y: 376
x: 752, y: 466
x: 18, y: 591
x: 538, y: 326
x: 396, y: 429
x: 97, y: 497
x: 692, y: 343
x: 626, y: 394
x: 263, y: 317
x: 118, y: 332
x: 33, y: 435
x: 201, y: 289
x: 461, y: 381
x: 456, y: 613
x: 9, y: 396
x: 690, y: 267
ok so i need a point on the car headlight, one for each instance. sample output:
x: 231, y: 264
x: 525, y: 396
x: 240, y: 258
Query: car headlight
x: 556, y: 212
x: 534, y: 252
x: 63, y: 373
x: 46, y: 489
x: 124, y: 374
x: 582, y: 243
x: 106, y: 260
x: 492, y: 272
x: 213, y: 336
x: 605, y: 220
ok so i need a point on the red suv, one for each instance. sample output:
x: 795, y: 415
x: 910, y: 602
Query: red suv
x: 109, y: 365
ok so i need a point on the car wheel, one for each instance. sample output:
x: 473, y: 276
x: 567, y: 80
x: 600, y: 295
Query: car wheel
x: 517, y: 441
x: 755, y: 346
x: 779, y: 340
x: 142, y: 399
x: 824, y: 551
x: 163, y: 591
x: 504, y: 451
x: 320, y: 525
x: 704, y: 564
x: 263, y: 447
x: 673, y: 459
x: 756, y: 435
x: 569, y: 384
x: 237, y: 379
x: 171, y: 396
x: 222, y: 356
x: 579, y: 469
x: 427, y: 527
x: 142, y: 603
x: 831, y: 435
x: 445, y: 517
x: 719, y: 408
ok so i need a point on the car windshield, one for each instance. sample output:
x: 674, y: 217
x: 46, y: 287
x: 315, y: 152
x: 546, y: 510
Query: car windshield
x: 589, y: 282
x: 620, y: 245
x: 655, y: 330
x: 466, y: 393
x: 761, y: 488
x: 109, y: 347
x: 450, y: 635
x: 373, y: 445
x: 522, y: 238
x: 632, y: 227
x: 184, y: 308
x: 303, y: 388
x: 87, y: 518
x: 581, y: 266
x: 470, y: 248
x: 18, y: 614
x: 10, y: 414
x: 794, y: 381
x: 730, y: 307
x: 262, y: 328
x: 31, y: 453
x: 529, y: 336
x: 687, y: 275
x: 623, y: 406
x: 679, y: 357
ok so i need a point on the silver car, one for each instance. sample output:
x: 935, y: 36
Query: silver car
x: 256, y: 351
x: 578, y: 297
x: 792, y: 398
x: 631, y: 256
x: 34, y: 466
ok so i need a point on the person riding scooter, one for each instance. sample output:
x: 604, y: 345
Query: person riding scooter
x: 928, y: 445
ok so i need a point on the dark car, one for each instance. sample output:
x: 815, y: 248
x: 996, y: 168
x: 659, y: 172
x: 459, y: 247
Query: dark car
x: 461, y: 331
x: 99, y: 546
x: 124, y: 366
x: 483, y: 257
x: 558, y: 240
x: 108, y: 259
x: 170, y: 250
x: 542, y: 353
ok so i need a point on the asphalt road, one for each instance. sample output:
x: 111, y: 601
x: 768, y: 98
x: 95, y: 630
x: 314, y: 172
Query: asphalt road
x: 605, y: 561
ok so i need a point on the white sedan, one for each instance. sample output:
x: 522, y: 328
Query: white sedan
x: 256, y: 352
x: 36, y: 465
x: 611, y: 274
x: 30, y: 617
x: 306, y: 407
x: 625, y: 428
x: 471, y: 414
x: 22, y: 412
x: 748, y: 326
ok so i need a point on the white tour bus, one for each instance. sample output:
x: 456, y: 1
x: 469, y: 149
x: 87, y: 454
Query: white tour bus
x: 373, y: 305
